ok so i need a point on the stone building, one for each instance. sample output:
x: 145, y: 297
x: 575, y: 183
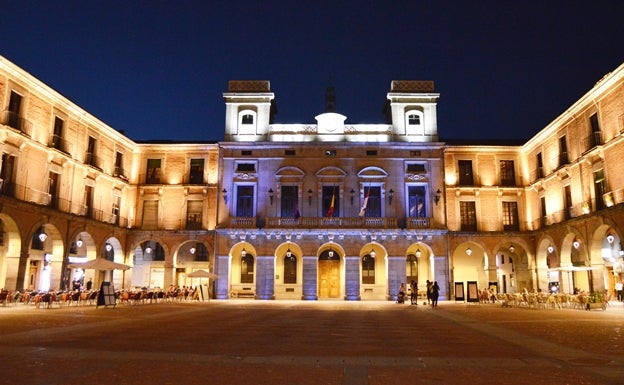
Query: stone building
x: 327, y: 209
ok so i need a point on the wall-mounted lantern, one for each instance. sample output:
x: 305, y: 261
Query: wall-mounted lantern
x: 271, y: 194
x: 438, y: 194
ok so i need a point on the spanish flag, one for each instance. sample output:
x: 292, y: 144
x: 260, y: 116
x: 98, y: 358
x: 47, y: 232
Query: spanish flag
x: 330, y: 212
x: 363, y: 209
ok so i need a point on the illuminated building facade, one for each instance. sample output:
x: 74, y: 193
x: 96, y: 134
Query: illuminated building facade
x: 310, y: 211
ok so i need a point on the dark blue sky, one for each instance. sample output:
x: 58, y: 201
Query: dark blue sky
x: 157, y: 69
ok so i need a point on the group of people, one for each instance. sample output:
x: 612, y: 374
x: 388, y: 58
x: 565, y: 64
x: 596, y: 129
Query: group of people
x: 433, y: 292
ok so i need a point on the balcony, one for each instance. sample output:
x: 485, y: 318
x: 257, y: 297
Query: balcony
x: 60, y: 144
x: 15, y: 121
x: 322, y: 222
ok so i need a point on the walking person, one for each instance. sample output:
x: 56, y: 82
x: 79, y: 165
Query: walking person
x: 618, y: 289
x: 435, y: 293
x: 429, y: 285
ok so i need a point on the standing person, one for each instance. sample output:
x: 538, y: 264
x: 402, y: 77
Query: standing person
x: 401, y: 295
x: 429, y: 284
x: 414, y: 294
x: 618, y: 289
x: 435, y: 293
x: 89, y: 284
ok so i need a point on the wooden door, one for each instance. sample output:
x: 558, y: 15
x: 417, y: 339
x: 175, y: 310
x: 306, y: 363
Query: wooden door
x: 329, y: 279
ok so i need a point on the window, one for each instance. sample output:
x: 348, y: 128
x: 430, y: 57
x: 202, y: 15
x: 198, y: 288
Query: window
x: 196, y: 175
x: 289, y: 201
x: 194, y: 210
x: 153, y: 171
x: 247, y: 119
x: 245, y: 167
x: 119, y: 170
x: 290, y: 268
x: 331, y: 201
x: 53, y: 189
x: 416, y: 199
x: 90, y: 157
x: 413, y: 119
x: 201, y: 252
x: 371, y: 152
x: 595, y: 138
x: 510, y: 216
x: 289, y: 152
x: 7, y: 174
x: 569, y: 210
x: 247, y: 268
x: 373, y: 203
x: 563, y: 151
x: 414, y: 153
x: 115, y: 209
x: 416, y: 168
x: 150, y: 214
x: 468, y: 214
x: 507, y: 173
x: 88, y: 202
x: 600, y: 188
x: 543, y: 211
x: 13, y: 118
x: 246, y: 153
x: 368, y: 270
x: 57, y: 137
x: 540, y: 166
x: 465, y: 173
x: 244, y: 201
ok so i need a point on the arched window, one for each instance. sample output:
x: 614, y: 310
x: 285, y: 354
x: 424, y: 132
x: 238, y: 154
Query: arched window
x: 290, y: 268
x: 368, y: 269
x: 247, y: 268
x: 414, y: 122
x: 413, y: 119
x: 247, y: 121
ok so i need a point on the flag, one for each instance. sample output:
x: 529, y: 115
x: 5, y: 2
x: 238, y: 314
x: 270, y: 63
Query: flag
x: 330, y: 212
x: 363, y: 209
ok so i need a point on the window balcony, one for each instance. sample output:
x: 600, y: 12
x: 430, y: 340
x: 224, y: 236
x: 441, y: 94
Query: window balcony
x: 15, y: 121
x: 320, y: 222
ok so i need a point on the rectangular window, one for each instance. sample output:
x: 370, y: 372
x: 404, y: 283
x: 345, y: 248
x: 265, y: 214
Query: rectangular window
x: 88, y: 202
x: 53, y: 189
x: 569, y: 210
x: 600, y: 188
x: 544, y: 212
x: 244, y: 201
x: 371, y: 152
x: 507, y: 173
x: 115, y: 210
x: 331, y: 201
x: 289, y: 152
x: 90, y: 157
x: 7, y: 174
x: 416, y: 168
x: 414, y: 153
x: 13, y: 118
x: 416, y: 199
x: 510, y: 216
x: 540, y: 166
x: 368, y: 270
x: 153, y: 171
x: 595, y: 137
x: 468, y: 214
x: 119, y: 170
x: 563, y: 151
x: 289, y: 201
x: 194, y: 210
x: 196, y: 175
x: 413, y: 120
x: 373, y: 203
x: 57, y: 137
x: 245, y: 167
x: 465, y: 173
x: 290, y: 270
x: 246, y: 152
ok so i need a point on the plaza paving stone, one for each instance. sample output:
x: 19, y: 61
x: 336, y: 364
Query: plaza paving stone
x: 310, y: 342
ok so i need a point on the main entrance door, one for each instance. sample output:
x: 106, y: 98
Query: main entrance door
x: 329, y: 278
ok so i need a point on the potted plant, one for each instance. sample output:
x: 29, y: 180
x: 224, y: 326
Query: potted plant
x: 596, y: 300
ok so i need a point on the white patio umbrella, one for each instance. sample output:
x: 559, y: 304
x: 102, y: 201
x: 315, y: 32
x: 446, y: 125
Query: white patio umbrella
x: 99, y: 264
x: 202, y: 274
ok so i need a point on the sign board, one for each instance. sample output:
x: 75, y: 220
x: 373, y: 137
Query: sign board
x: 473, y: 292
x: 459, y: 291
x: 106, y: 295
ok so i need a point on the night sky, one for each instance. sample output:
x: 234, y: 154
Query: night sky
x: 157, y: 69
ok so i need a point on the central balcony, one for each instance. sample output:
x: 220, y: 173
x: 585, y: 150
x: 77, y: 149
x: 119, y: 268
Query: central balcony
x: 322, y: 222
